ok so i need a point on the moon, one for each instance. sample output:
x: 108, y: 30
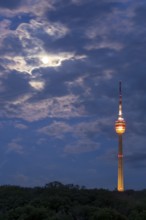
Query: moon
x: 45, y: 60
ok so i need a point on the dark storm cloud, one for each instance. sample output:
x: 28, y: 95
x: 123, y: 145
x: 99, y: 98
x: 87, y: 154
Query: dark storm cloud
x: 9, y: 4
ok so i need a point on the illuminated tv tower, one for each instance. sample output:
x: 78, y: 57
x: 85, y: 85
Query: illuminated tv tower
x: 120, y: 127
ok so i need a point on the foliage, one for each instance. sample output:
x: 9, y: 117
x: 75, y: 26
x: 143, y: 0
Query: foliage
x: 57, y: 201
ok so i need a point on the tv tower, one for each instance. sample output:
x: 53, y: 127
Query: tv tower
x: 120, y: 127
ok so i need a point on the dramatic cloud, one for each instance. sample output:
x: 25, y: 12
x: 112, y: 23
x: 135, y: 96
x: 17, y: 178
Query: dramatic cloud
x: 60, y: 64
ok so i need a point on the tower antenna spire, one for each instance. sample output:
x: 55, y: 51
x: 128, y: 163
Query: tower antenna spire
x: 120, y: 99
x: 120, y: 88
x: 120, y: 127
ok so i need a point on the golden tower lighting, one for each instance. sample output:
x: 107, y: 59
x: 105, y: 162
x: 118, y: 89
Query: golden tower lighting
x: 120, y: 127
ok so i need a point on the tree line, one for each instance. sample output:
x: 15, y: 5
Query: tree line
x: 56, y: 201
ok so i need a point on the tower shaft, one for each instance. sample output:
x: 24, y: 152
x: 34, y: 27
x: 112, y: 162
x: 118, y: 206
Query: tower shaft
x: 120, y: 186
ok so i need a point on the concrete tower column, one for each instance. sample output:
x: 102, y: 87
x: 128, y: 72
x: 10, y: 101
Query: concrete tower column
x: 120, y: 185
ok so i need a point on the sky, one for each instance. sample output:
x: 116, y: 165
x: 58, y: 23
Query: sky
x: 60, y: 66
